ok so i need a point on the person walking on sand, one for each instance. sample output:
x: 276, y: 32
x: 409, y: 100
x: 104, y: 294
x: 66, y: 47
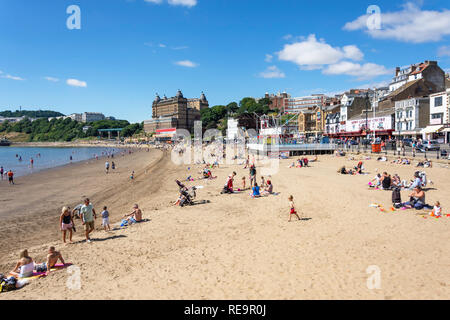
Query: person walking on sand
x: 107, y: 167
x: 1, y: 172
x: 52, y: 258
x: 11, y: 177
x: 292, y: 205
x: 66, y: 223
x: 88, y: 216
x: 105, y: 219
x: 252, y: 175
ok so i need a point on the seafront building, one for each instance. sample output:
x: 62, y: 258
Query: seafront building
x: 170, y: 114
x: 411, y: 117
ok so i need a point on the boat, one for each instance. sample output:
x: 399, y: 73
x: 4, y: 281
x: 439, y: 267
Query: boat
x: 4, y: 143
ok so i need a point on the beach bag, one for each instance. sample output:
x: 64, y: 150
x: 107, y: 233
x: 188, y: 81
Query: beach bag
x: 8, y: 284
x: 396, y: 198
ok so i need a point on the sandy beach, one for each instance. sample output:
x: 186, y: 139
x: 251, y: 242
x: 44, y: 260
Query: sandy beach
x: 234, y: 247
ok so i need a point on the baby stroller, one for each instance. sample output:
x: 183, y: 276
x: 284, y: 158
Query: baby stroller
x: 187, y: 195
x: 396, y: 198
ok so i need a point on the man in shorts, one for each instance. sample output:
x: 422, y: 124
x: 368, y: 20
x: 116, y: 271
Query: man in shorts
x: 107, y: 167
x: 10, y: 177
x: 52, y: 258
x: 87, y: 213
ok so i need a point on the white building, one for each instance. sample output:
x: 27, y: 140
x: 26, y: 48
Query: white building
x: 232, y: 130
x: 439, y: 117
x: 295, y: 105
x: 428, y: 70
x: 411, y: 116
x: 14, y: 119
x: 92, y: 116
x: 75, y: 117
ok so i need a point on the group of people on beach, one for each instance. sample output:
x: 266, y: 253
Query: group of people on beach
x: 7, y: 175
x: 87, y: 214
x: 26, y: 267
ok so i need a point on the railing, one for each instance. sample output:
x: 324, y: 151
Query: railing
x: 406, y: 152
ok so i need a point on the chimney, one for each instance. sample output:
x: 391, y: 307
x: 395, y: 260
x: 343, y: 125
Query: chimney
x: 397, y: 71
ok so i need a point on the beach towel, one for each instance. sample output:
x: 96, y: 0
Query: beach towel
x: 37, y: 275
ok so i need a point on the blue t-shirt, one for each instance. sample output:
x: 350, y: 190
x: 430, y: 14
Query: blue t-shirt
x: 256, y: 191
x: 105, y: 214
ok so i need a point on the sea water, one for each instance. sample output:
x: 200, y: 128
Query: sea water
x: 46, y: 157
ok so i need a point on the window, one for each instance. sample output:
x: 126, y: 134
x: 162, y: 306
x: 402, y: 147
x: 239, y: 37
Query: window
x: 438, y: 102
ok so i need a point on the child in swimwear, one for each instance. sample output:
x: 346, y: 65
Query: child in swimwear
x: 293, y: 212
x: 437, y: 210
x: 243, y: 183
x: 263, y: 182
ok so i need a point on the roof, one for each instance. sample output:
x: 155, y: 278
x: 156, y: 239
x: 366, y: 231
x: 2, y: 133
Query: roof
x: 420, y: 68
x: 402, y: 88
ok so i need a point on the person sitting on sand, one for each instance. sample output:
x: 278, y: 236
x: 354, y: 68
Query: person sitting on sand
x: 437, y: 210
x: 314, y: 160
x: 66, y: 223
x: 342, y: 170
x: 24, y: 267
x: 263, y: 182
x: 386, y: 181
x: 417, y: 181
x: 255, y: 190
x: 305, y: 161
x: 396, y: 181
x: 292, y: 207
x: 377, y: 180
x: 228, y: 188
x: 52, y: 258
x: 135, y: 216
x: 417, y: 200
x: 269, y: 189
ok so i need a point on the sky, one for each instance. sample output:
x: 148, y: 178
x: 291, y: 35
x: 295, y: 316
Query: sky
x: 126, y: 51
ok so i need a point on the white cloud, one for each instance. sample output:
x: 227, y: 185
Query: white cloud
x: 52, y: 79
x: 361, y: 71
x: 272, y: 72
x: 161, y: 45
x: 313, y: 54
x: 444, y: 51
x: 186, y: 63
x: 185, y: 3
x: 76, y: 83
x: 8, y: 76
x: 411, y: 24
x: 268, y: 58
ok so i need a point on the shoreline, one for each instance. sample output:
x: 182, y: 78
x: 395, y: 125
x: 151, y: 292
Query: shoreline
x: 76, y: 144
x: 44, y: 193
x: 73, y: 162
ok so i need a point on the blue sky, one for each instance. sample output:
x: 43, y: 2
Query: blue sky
x: 127, y: 50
